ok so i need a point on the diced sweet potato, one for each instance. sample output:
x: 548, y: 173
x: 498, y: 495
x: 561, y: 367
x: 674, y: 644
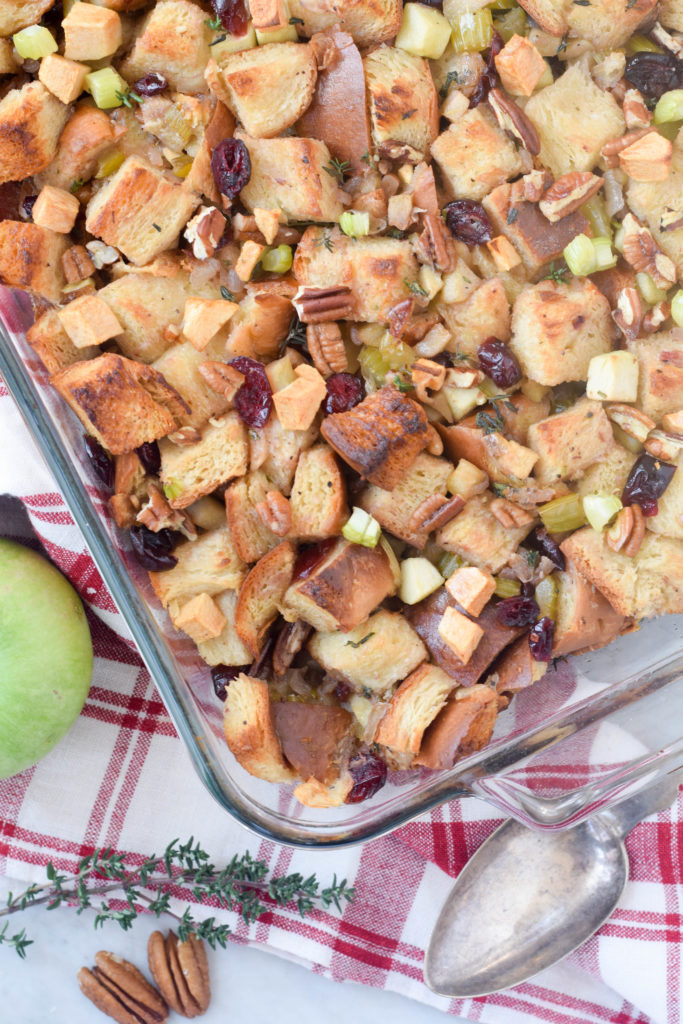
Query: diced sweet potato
x: 315, y: 738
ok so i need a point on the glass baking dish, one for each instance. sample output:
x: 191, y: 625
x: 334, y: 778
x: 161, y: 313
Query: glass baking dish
x: 596, y: 729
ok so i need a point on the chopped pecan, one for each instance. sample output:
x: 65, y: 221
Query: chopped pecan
x: 509, y: 514
x: 671, y: 220
x: 118, y: 989
x: 631, y: 420
x: 101, y: 254
x: 275, y: 513
x: 399, y: 315
x: 530, y: 188
x: 291, y: 639
x: 326, y: 345
x: 635, y: 110
x: 527, y: 572
x: 666, y: 447
x: 672, y: 422
x: 318, y: 305
x: 463, y: 377
x: 181, y: 971
x: 655, y: 317
x: 223, y: 379
x: 204, y: 231
x: 392, y: 149
x: 427, y: 376
x: 77, y: 264
x: 643, y: 254
x: 648, y: 158
x: 512, y: 118
x: 629, y: 313
x: 157, y: 515
x: 628, y: 531
x: 611, y: 150
x: 568, y: 193
x: 185, y: 437
x: 434, y: 512
x: 437, y: 242
x: 427, y: 329
x: 665, y: 39
x: 245, y: 228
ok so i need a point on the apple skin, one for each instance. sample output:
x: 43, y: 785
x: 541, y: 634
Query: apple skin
x: 46, y: 657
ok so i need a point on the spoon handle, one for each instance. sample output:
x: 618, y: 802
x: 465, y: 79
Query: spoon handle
x: 624, y: 816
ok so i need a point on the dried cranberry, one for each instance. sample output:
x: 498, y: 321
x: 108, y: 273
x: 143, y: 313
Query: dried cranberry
x: 541, y: 541
x: 222, y: 676
x: 369, y: 774
x: 489, y: 79
x: 342, y: 692
x: 647, y: 482
x: 527, y: 589
x: 654, y: 73
x: 311, y: 556
x: 27, y: 204
x: 517, y: 611
x: 233, y: 15
x: 499, y: 363
x: 150, y: 84
x: 100, y: 460
x: 344, y: 390
x: 154, y: 550
x: 541, y: 637
x: 231, y: 167
x: 467, y: 221
x: 254, y: 400
x: 150, y: 457
x: 443, y: 359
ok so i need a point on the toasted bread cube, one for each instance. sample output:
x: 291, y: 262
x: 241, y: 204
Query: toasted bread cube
x: 607, y: 476
x: 316, y: 738
x: 180, y: 366
x: 485, y: 312
x: 365, y: 665
x: 669, y: 520
x: 463, y: 727
x: 471, y: 588
x: 200, y: 618
x: 660, y: 373
x: 505, y: 256
x: 88, y: 134
x: 91, y: 33
x: 139, y: 211
x: 268, y: 222
x: 478, y: 537
x: 18, y: 14
x: 174, y: 41
x: 188, y: 473
x: 381, y: 437
x: 535, y: 238
x: 609, y: 23
x: 404, y: 106
x: 549, y: 14
x: 31, y: 258
x: 262, y: 594
x: 250, y: 732
x: 252, y: 537
x: 297, y: 405
x: 460, y: 634
x: 259, y: 326
x: 496, y: 455
x: 8, y: 64
x: 64, y: 78
x: 520, y: 66
x: 89, y: 321
x: 584, y: 618
x: 671, y: 14
x: 268, y: 13
x: 413, y: 707
x: 276, y: 452
x: 53, y: 345
x: 656, y: 202
x: 474, y: 155
x: 31, y: 121
x: 393, y: 509
x: 574, y: 120
x: 268, y: 88
x: 467, y: 480
x: 506, y: 458
x: 203, y: 319
x: 312, y: 793
x: 332, y: 598
x: 570, y: 441
x: 306, y: 193
x: 455, y: 105
x: 208, y: 565
x: 55, y: 209
x: 226, y: 648
x: 558, y: 328
x: 369, y: 22
x: 318, y: 498
x: 146, y: 306
x: 248, y: 258
x: 517, y: 668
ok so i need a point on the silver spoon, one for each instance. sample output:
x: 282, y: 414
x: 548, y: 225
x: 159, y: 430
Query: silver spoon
x: 526, y: 899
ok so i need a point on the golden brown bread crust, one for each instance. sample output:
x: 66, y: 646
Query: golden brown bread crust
x: 585, y: 618
x: 259, y: 326
x: 477, y: 536
x: 173, y: 40
x: 31, y: 121
x: 87, y: 135
x: 485, y: 312
x: 570, y: 441
x: 179, y: 364
x: 200, y: 179
x: 660, y: 373
x: 369, y: 22
x: 403, y: 103
x: 318, y: 498
x: 315, y: 738
x: 414, y: 705
x: 210, y: 564
x: 18, y: 14
x: 190, y: 472
x: 516, y: 668
x: 145, y: 306
x: 31, y: 258
x: 52, y: 344
x: 252, y: 537
x: 120, y: 402
x: 474, y: 155
x: 393, y: 509
x: 463, y: 727
x: 262, y: 594
x: 381, y: 437
x: 249, y: 730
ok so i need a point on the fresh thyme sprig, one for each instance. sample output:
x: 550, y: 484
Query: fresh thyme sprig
x: 242, y: 886
x: 337, y: 169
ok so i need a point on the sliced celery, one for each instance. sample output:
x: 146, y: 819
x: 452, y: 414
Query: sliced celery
x: 448, y: 563
x: 513, y: 23
x: 669, y: 107
x: 106, y: 87
x: 579, y: 256
x: 472, y: 32
x: 507, y: 588
x: 546, y: 596
x: 355, y: 223
x: 278, y: 260
x: 34, y: 42
x: 563, y: 514
x: 595, y: 213
x: 109, y: 163
x: 600, y: 509
x: 362, y: 528
x: 649, y: 290
x: 604, y: 257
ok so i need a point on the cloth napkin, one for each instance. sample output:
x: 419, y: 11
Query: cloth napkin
x: 121, y: 778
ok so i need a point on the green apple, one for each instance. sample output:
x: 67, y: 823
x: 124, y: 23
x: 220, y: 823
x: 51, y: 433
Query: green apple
x: 46, y: 657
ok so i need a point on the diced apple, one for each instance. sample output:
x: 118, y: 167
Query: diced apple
x: 613, y: 377
x: 280, y: 373
x: 424, y: 32
x: 419, y: 579
x: 279, y: 34
x: 461, y: 401
x: 234, y: 44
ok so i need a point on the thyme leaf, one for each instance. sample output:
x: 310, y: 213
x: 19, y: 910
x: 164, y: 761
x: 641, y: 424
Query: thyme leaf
x: 337, y: 169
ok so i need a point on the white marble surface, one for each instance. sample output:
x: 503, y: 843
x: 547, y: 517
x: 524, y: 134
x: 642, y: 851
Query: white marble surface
x: 248, y: 984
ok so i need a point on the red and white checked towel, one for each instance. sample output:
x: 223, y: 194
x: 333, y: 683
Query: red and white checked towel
x: 121, y: 778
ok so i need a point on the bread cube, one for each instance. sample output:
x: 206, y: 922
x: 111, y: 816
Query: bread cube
x: 570, y: 441
x: 174, y: 41
x: 584, y: 618
x: 259, y: 326
x: 145, y: 306
x: 18, y: 14
x: 52, y: 344
x: 414, y: 705
x: 268, y: 88
x: 650, y: 201
x: 608, y: 24
x: 318, y: 498
x: 139, y: 211
x: 558, y: 328
x: 8, y: 64
x: 520, y: 66
x: 189, y: 472
x: 252, y: 537
x: 316, y: 738
x: 671, y: 14
x: 89, y: 321
x: 607, y: 476
x: 471, y: 588
x: 369, y: 22
x: 574, y: 120
x: 91, y: 33
x: 360, y: 656
x: 403, y: 103
x: 460, y: 634
x: 31, y: 258
x: 297, y: 405
x: 203, y: 319
x: 393, y: 509
x: 262, y: 594
x: 208, y: 565
x: 463, y: 727
x: 478, y: 537
x: 306, y: 193
x: 64, y: 78
x: 88, y: 134
x: 668, y: 520
x: 226, y: 648
x: 485, y: 312
x: 474, y: 155
x: 249, y: 730
x: 517, y: 669
x: 121, y: 403
x: 200, y: 618
x: 55, y: 209
x: 660, y: 373
x: 549, y: 14
x: 31, y: 121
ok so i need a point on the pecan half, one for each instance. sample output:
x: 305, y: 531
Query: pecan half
x: 204, y: 231
x: 510, y: 514
x: 392, y: 149
x: 157, y: 515
x: 291, y: 639
x: 326, y: 345
x: 667, y: 447
x: 611, y: 150
x: 318, y: 305
x: 568, y: 193
x: 631, y: 420
x: 427, y: 376
x: 77, y: 264
x: 629, y: 313
x: 437, y: 241
x: 628, y: 531
x: 643, y: 254
x: 118, y: 989
x: 512, y: 118
x: 635, y: 110
x: 530, y: 188
x: 223, y: 379
x: 181, y: 971
x: 275, y: 513
x: 185, y: 437
x: 434, y: 512
x: 655, y: 317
